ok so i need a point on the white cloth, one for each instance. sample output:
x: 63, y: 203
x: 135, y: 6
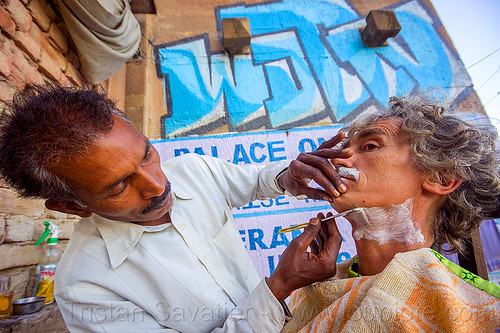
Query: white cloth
x: 105, y: 32
x: 193, y: 275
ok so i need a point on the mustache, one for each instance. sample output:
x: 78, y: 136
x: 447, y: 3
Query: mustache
x: 157, y: 201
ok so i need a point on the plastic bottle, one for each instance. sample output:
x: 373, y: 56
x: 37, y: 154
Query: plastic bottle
x: 47, y: 263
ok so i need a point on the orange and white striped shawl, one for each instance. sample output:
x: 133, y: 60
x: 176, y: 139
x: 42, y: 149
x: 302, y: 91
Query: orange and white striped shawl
x: 416, y: 292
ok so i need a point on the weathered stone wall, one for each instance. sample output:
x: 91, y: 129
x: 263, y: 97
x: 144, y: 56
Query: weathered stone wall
x: 21, y: 224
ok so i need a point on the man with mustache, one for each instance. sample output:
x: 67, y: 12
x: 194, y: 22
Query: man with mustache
x: 157, y: 248
x: 423, y: 178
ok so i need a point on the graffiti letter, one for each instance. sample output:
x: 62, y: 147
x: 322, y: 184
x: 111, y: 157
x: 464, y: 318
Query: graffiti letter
x: 239, y: 150
x: 272, y: 150
x: 181, y: 151
x: 275, y: 242
x: 262, y: 157
x: 255, y: 237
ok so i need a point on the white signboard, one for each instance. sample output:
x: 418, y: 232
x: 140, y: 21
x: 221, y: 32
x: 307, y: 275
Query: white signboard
x: 259, y: 221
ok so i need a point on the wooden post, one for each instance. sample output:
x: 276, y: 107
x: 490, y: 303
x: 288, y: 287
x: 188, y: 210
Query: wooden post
x: 473, y: 260
x: 236, y: 35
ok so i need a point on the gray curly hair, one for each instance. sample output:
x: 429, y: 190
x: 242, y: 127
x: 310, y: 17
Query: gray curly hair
x: 442, y: 145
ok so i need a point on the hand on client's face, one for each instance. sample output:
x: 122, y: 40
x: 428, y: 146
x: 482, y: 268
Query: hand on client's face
x: 297, y: 267
x: 316, y: 166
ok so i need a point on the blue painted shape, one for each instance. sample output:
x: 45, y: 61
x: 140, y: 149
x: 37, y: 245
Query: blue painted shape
x: 316, y: 69
x: 245, y: 88
x: 294, y: 90
x: 198, y: 86
x: 426, y: 64
x: 307, y: 62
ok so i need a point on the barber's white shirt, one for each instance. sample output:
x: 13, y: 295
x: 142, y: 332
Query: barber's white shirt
x: 193, y: 275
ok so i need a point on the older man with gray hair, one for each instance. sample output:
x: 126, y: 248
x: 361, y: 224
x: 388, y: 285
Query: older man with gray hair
x: 419, y: 178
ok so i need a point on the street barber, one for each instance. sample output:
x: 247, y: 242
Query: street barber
x: 157, y: 248
x: 419, y: 178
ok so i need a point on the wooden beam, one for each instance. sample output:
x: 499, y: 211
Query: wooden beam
x: 143, y: 6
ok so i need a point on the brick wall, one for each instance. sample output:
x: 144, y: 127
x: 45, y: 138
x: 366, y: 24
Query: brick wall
x: 34, y: 47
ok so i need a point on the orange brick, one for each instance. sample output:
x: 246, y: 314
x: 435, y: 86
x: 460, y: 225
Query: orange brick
x: 16, y: 78
x: 19, y: 60
x: 28, y: 71
x: 19, y: 14
x: 6, y: 91
x: 74, y: 75
x: 55, y: 55
x: 7, y: 25
x: 49, y: 67
x: 42, y: 13
x: 27, y: 67
x: 65, y: 81
x: 58, y: 38
x: 5, y: 64
x: 37, y: 34
x: 34, y: 76
x: 42, y: 38
x: 26, y: 43
x: 8, y: 46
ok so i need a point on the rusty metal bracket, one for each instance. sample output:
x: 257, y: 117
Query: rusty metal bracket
x: 380, y: 25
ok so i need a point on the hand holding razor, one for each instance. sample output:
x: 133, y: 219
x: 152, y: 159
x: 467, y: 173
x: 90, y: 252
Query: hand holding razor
x: 303, y: 225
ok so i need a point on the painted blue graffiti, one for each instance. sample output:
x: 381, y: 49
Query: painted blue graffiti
x: 307, y: 64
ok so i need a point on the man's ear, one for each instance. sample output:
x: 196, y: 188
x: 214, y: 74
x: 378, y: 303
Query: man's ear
x: 442, y: 186
x: 67, y: 207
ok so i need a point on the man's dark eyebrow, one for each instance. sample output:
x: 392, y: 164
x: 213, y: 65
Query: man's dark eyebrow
x: 109, y: 187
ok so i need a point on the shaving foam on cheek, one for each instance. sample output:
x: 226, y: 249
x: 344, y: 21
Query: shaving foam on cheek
x: 387, y: 224
x: 350, y: 173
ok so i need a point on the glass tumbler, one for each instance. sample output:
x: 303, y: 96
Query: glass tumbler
x: 5, y: 298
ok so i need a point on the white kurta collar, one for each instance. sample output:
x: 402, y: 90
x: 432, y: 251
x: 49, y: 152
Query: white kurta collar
x: 121, y: 237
